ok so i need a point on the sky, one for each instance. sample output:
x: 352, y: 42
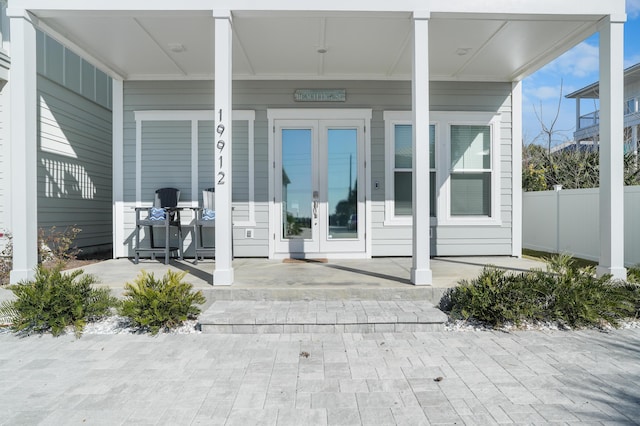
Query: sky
x: 575, y: 69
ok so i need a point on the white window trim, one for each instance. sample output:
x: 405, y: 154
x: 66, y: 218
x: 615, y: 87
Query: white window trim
x: 446, y: 120
x: 194, y: 116
x: 391, y: 119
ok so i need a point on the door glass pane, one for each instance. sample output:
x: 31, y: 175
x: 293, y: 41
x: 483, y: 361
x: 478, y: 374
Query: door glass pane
x: 296, y: 184
x: 342, y: 183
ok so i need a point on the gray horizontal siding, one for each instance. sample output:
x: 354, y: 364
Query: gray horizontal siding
x: 166, y: 158
x: 74, y: 164
x: 380, y: 96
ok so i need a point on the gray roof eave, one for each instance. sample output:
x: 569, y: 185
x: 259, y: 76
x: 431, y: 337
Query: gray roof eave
x: 591, y: 91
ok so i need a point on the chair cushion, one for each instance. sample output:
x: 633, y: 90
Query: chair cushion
x: 208, y: 214
x: 157, y: 213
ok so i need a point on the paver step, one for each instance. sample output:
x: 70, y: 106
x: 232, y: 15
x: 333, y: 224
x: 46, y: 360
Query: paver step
x: 336, y: 292
x: 320, y: 316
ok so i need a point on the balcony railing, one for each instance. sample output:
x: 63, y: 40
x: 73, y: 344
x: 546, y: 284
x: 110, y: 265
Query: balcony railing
x: 631, y: 107
x: 589, y: 120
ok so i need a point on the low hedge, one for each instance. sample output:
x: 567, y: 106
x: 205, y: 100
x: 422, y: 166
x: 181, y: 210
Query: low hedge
x: 564, y: 293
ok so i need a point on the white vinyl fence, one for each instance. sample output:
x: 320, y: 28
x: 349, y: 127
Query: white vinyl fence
x: 567, y: 221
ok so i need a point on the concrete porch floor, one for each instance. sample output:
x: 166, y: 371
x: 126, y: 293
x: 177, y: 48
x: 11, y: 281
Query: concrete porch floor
x: 340, y: 296
x: 263, y: 279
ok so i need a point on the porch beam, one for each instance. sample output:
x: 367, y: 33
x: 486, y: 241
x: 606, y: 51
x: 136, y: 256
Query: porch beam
x: 23, y: 102
x: 611, y: 148
x: 223, y: 272
x: 420, y: 270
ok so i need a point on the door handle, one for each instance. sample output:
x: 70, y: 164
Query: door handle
x: 315, y: 204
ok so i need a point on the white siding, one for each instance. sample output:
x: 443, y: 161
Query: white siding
x: 380, y: 96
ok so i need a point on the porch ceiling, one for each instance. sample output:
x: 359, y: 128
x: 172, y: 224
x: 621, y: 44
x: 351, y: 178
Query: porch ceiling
x: 287, y: 45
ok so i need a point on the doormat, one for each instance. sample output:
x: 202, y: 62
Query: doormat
x: 317, y: 260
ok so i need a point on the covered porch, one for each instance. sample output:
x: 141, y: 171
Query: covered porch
x: 386, y: 278
x: 249, y: 45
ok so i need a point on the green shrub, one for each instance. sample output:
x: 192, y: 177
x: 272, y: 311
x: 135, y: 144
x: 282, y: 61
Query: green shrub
x: 495, y: 297
x: 579, y: 298
x: 564, y: 293
x: 633, y: 274
x: 55, y: 300
x: 156, y: 304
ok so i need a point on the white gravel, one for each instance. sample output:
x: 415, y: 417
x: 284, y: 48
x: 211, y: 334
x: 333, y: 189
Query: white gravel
x: 470, y: 325
x: 121, y: 325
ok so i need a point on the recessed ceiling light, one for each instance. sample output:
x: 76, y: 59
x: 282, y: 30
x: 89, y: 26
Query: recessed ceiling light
x: 176, y: 47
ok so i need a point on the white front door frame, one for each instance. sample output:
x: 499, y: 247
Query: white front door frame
x: 328, y: 115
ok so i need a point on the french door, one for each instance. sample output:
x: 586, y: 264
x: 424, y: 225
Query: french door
x: 319, y: 187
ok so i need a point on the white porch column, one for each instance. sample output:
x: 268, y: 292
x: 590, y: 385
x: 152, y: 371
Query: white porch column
x: 611, y: 148
x: 223, y: 273
x: 23, y: 146
x: 118, y: 168
x: 516, y: 169
x: 578, y: 114
x: 420, y: 270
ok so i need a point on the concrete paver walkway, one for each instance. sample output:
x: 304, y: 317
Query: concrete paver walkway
x: 319, y: 379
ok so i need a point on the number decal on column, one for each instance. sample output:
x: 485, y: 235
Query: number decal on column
x: 220, y: 145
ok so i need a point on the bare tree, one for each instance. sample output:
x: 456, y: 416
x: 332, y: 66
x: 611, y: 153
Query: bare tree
x: 547, y: 132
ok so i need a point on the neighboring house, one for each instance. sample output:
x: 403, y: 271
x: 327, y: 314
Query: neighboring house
x: 588, y: 125
x: 406, y: 114
x: 569, y: 146
x: 73, y: 122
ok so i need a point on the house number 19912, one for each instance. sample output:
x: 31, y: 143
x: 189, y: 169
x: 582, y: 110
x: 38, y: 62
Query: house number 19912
x: 220, y: 146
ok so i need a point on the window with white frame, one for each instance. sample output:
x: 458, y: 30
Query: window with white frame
x: 472, y: 187
x: 399, y: 176
x: 196, y: 171
x: 464, y: 168
x: 470, y: 170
